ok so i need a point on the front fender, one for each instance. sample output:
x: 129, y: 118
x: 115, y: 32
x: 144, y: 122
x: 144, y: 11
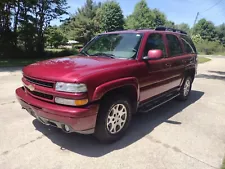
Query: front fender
x: 101, y: 90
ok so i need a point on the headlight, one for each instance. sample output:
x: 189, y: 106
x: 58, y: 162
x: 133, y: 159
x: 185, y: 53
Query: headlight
x: 70, y: 87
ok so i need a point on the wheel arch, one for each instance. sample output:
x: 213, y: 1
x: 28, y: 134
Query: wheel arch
x: 126, y: 86
x: 190, y: 72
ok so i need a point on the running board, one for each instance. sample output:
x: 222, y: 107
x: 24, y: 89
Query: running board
x: 156, y: 103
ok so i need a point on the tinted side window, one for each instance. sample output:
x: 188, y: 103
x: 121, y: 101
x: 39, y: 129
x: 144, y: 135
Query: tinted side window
x: 174, y: 45
x: 188, y: 39
x: 155, y: 41
x: 187, y: 46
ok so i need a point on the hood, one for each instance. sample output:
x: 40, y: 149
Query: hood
x: 68, y: 69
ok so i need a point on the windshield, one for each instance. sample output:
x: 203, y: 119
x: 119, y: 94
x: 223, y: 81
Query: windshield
x: 118, y: 45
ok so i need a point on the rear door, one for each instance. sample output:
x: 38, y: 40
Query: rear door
x: 190, y: 56
x: 174, y: 62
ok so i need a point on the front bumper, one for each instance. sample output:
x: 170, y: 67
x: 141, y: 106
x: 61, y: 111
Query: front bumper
x: 81, y: 120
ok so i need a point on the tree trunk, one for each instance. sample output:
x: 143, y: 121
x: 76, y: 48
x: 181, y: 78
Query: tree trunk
x: 17, y: 11
x: 40, y: 36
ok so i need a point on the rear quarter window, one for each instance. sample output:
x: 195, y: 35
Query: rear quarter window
x: 188, y: 44
x: 174, y: 45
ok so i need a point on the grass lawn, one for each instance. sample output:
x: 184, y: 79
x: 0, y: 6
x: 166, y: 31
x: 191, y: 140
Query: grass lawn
x: 223, y: 165
x: 49, y: 53
x: 17, y: 62
x: 203, y: 59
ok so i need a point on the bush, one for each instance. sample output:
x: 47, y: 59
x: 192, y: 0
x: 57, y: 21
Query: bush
x: 207, y: 47
x: 65, y: 52
x: 18, y: 53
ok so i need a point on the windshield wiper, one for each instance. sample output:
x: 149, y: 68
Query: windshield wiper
x: 104, y: 54
x: 84, y: 53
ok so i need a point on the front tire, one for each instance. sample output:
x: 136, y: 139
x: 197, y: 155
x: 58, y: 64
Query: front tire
x: 114, y: 117
x: 185, y: 89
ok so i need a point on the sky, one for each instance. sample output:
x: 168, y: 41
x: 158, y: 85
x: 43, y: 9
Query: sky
x: 178, y: 11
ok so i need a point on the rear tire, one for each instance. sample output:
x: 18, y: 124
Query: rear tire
x: 185, y: 89
x: 113, y: 119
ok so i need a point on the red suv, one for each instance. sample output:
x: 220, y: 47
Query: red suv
x: 116, y: 75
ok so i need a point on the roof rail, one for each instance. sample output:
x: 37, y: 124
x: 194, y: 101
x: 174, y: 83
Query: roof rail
x: 144, y: 29
x: 162, y: 28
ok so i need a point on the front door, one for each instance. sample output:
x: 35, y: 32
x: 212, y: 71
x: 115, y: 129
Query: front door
x: 155, y: 74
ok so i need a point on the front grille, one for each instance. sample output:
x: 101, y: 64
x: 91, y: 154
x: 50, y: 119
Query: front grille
x: 41, y: 95
x: 39, y: 82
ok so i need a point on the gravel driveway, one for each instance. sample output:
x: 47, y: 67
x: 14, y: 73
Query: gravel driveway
x: 178, y: 135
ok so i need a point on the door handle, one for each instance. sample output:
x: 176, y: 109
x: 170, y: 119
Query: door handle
x: 184, y: 61
x: 168, y: 65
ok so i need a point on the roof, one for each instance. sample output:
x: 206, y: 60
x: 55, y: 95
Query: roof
x: 158, y: 29
x: 131, y: 31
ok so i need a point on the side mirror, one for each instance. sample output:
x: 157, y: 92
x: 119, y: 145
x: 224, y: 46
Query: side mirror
x: 154, y: 54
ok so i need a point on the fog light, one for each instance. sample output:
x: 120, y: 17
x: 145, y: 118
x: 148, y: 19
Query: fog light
x: 71, y: 102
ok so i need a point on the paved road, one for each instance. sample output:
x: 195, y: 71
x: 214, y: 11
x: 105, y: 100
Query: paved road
x: 178, y: 135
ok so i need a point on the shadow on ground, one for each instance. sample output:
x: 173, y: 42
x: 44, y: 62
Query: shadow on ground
x: 141, y: 125
x: 218, y: 72
x: 10, y: 69
x: 219, y: 75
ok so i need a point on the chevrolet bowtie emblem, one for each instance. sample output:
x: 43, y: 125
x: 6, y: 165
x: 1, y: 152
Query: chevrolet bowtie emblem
x: 31, y: 87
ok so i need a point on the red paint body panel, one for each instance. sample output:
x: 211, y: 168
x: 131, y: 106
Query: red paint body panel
x: 148, y: 78
x: 78, y: 118
x: 106, y: 87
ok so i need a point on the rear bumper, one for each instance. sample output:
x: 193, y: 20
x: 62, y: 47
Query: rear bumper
x: 81, y: 120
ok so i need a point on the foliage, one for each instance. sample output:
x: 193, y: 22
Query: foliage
x: 110, y: 17
x: 54, y: 37
x: 185, y: 27
x: 22, y: 24
x: 8, y: 62
x: 142, y: 17
x: 159, y: 18
x: 170, y: 24
x: 209, y: 48
x: 206, y: 30
x: 197, y: 39
x: 221, y: 33
x: 82, y: 25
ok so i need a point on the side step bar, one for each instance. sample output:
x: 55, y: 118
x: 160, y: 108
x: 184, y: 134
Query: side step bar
x: 156, y: 103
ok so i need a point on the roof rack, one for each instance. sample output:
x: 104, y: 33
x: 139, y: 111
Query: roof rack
x: 144, y: 29
x: 162, y: 28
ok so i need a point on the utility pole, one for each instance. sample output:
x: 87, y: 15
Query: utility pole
x: 196, y: 18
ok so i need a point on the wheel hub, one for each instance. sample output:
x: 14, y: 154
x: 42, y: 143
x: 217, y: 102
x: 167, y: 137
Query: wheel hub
x: 116, y: 118
x: 187, y: 87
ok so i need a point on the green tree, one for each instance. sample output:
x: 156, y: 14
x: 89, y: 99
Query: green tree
x: 221, y: 33
x: 25, y: 21
x: 54, y: 37
x: 185, y: 27
x: 170, y: 24
x: 206, y: 30
x: 159, y: 18
x: 142, y: 17
x: 110, y: 16
x: 82, y: 25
